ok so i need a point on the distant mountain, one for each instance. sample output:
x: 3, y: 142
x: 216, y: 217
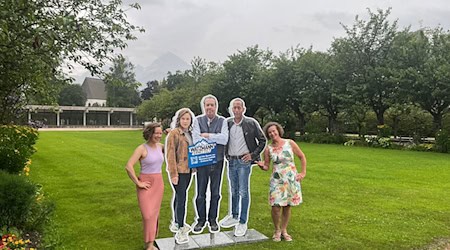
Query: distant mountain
x: 160, y: 67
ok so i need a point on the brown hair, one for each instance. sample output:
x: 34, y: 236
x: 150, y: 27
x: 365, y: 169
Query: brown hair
x: 182, y: 112
x: 270, y: 124
x: 150, y: 129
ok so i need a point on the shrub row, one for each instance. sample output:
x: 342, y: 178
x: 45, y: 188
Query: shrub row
x: 442, y: 141
x: 323, y: 138
x: 24, y: 210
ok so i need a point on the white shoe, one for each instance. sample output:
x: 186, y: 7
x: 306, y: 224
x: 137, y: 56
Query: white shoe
x: 228, y: 222
x: 240, y: 230
x: 173, y: 227
x: 182, y: 236
x: 187, y: 227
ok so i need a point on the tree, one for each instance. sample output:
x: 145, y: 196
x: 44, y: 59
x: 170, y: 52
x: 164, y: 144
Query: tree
x: 121, y: 85
x: 72, y: 95
x: 365, y: 52
x: 175, y: 80
x: 241, y: 77
x: 422, y: 67
x: 327, y: 86
x: 162, y: 106
x: 191, y: 85
x: 395, y: 113
x: 38, y: 38
x: 431, y: 88
x: 355, y: 114
x: 288, y: 86
x: 150, y: 90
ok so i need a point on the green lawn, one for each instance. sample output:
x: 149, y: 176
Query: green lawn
x: 354, y: 198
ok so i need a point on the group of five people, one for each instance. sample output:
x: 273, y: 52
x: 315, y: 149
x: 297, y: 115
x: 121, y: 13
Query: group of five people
x: 240, y: 141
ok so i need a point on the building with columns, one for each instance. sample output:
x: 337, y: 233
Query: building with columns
x: 93, y: 114
x: 78, y: 116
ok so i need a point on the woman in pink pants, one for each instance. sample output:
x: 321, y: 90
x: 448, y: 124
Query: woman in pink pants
x: 149, y: 184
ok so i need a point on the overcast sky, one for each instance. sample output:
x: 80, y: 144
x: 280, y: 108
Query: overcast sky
x: 215, y: 29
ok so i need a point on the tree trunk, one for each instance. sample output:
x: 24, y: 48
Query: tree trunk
x: 301, y: 122
x: 380, y: 116
x: 437, y: 121
x: 332, y: 117
x: 395, y: 125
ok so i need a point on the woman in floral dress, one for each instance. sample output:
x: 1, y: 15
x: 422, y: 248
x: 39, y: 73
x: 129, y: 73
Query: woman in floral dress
x: 285, y: 189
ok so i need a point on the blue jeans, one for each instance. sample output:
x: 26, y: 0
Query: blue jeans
x: 239, y: 176
x: 206, y: 174
x: 179, y: 201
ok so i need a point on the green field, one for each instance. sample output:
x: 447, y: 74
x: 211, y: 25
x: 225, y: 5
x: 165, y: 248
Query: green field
x: 354, y: 198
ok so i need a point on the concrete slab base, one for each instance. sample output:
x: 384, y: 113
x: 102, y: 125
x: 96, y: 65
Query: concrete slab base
x: 211, y: 240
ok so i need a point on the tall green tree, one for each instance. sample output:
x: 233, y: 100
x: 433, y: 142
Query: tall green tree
x: 175, y: 80
x: 288, y: 86
x: 241, y: 77
x: 121, y: 84
x: 38, y: 38
x: 422, y: 67
x: 364, y: 53
x: 182, y: 89
x: 72, y: 95
x: 431, y: 88
x: 149, y: 91
x: 327, y: 87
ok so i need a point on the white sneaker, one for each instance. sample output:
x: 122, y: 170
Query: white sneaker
x: 228, y: 222
x: 182, y: 236
x: 188, y: 228
x: 173, y: 227
x: 240, y: 230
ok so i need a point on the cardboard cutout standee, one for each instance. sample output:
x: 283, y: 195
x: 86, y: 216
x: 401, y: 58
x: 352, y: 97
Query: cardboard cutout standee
x: 180, y: 175
x: 211, y: 128
x: 245, y: 144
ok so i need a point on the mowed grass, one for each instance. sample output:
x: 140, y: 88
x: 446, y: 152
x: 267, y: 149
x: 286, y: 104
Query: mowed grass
x: 354, y: 198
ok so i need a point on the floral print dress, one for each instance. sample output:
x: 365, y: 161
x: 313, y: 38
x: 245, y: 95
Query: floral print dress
x: 284, y: 189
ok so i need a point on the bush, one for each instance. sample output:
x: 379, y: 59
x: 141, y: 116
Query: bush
x: 425, y: 147
x: 17, y: 196
x: 442, y: 141
x: 356, y: 143
x: 22, y: 203
x: 323, y: 138
x: 16, y: 147
x: 316, y: 124
x: 416, y: 122
x: 384, y: 131
x: 379, y: 142
x: 40, y: 212
x: 384, y: 142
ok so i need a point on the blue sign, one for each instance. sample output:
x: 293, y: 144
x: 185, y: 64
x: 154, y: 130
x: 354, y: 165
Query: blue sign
x: 202, y: 153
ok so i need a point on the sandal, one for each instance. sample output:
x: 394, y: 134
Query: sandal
x: 276, y: 236
x: 286, y: 236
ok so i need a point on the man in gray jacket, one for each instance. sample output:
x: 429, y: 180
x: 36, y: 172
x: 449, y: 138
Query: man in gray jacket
x: 246, y: 141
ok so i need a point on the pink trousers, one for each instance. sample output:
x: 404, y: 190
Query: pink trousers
x: 150, y: 204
